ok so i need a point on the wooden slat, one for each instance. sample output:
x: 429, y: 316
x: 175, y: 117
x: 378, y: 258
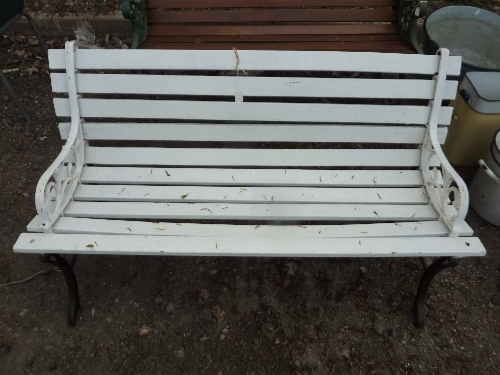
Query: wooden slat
x: 368, y: 28
x: 252, y: 157
x: 253, y: 60
x: 247, y: 194
x: 252, y: 111
x: 198, y: 39
x: 247, y: 246
x: 253, y: 133
x: 273, y: 15
x: 234, y: 211
x: 183, y: 4
x: 251, y: 177
x: 253, y: 86
x: 399, y: 47
x: 103, y: 226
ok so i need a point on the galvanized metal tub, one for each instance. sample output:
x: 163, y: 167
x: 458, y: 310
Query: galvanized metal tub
x: 470, y: 32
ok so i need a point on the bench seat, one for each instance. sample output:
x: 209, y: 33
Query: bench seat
x: 182, y: 153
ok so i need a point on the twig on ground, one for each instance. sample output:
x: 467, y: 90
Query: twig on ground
x: 30, y: 277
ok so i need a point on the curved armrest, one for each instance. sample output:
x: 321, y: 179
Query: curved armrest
x: 57, y: 185
x: 443, y: 185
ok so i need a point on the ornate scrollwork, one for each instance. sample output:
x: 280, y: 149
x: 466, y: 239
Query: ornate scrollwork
x: 409, y: 12
x: 57, y: 185
x: 446, y: 189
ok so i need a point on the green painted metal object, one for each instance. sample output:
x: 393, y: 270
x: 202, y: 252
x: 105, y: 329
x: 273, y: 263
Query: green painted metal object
x: 408, y: 14
x: 135, y: 11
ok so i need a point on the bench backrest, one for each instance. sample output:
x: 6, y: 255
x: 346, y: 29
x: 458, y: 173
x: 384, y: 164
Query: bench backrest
x: 297, y: 100
x: 275, y: 25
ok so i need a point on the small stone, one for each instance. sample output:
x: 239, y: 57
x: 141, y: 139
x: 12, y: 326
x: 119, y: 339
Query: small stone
x: 288, y: 333
x: 170, y: 307
x: 179, y: 353
x: 159, y: 299
x: 345, y: 352
x: 6, y: 98
x: 122, y: 336
x: 379, y: 326
x: 144, y: 330
x: 26, y: 195
x: 204, y: 295
x: 213, y: 272
x: 218, y: 314
x: 268, y: 330
x: 255, y: 341
x: 116, y: 41
x: 291, y: 267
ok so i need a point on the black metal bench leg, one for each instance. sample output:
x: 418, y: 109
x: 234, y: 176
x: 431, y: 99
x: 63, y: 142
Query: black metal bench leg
x: 37, y: 32
x: 429, y: 273
x: 67, y: 270
x: 13, y: 95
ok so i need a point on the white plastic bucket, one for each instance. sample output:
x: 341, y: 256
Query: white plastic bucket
x: 485, y: 187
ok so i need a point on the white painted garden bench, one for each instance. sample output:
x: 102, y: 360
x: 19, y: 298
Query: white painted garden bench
x: 353, y: 174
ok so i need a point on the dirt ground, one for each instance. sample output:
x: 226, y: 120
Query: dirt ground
x: 170, y: 315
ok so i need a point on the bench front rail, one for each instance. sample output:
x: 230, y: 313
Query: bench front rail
x: 208, y: 160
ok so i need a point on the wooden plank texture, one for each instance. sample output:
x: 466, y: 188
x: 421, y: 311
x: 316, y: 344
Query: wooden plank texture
x: 253, y: 133
x: 360, y: 38
x: 389, y: 47
x: 102, y: 226
x: 236, y: 211
x: 356, y: 28
x: 253, y: 60
x: 273, y: 15
x: 251, y: 177
x: 252, y: 111
x: 254, y: 86
x: 252, y: 157
x: 183, y: 4
x: 247, y: 246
